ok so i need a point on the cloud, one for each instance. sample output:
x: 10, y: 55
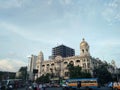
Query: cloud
x: 109, y: 42
x: 11, y: 65
x: 5, y: 4
x: 49, y: 2
x: 111, y: 11
x: 13, y: 28
x: 65, y: 2
x: 18, y: 30
x: 28, y: 33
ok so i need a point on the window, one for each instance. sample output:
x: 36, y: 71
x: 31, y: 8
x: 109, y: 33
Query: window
x: 47, y: 64
x: 87, y: 60
x: 66, y: 74
x: 83, y: 50
x: 77, y: 61
x: 83, y: 60
x: 65, y: 62
x: 88, y: 64
x: 71, y: 62
x: 84, y: 65
x: 52, y: 64
x: 43, y: 65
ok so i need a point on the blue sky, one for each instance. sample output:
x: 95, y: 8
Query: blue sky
x: 30, y: 26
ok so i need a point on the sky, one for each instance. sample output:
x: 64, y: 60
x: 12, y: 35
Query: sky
x: 30, y: 26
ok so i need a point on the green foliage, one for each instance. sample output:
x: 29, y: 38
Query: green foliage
x: 76, y: 72
x: 23, y: 73
x: 6, y: 75
x: 44, y: 78
x: 103, y: 74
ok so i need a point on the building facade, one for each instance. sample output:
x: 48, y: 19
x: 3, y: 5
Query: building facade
x: 58, y: 66
x: 32, y: 66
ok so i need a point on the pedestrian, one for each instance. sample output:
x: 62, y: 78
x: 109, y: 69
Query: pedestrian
x: 40, y: 86
x: 79, y: 84
x: 34, y: 86
x: 44, y: 86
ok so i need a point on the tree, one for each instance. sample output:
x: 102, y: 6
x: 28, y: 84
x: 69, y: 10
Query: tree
x: 76, y: 72
x: 103, y: 74
x: 44, y: 78
x: 23, y: 73
x: 7, y: 75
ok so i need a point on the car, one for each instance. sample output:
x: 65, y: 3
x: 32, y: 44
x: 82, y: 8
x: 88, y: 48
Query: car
x: 64, y: 85
x: 114, y: 85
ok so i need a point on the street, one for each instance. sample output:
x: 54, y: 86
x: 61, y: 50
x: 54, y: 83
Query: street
x: 102, y: 88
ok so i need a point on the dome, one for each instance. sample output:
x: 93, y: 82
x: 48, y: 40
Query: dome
x: 83, y: 43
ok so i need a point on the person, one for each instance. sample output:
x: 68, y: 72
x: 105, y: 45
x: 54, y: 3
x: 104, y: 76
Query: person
x: 34, y: 86
x: 79, y: 84
x: 40, y: 86
x: 44, y: 86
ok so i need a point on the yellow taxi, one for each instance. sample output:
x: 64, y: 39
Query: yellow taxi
x: 116, y: 85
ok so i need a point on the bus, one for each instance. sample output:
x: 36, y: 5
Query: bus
x: 88, y: 83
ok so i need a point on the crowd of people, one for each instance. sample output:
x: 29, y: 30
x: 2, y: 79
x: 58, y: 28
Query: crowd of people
x: 36, y: 86
x: 43, y: 86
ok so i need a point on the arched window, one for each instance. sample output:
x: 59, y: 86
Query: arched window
x: 47, y: 64
x: 65, y: 62
x: 66, y: 74
x: 43, y: 65
x: 83, y: 50
x: 52, y: 64
x: 71, y: 62
x: 77, y: 61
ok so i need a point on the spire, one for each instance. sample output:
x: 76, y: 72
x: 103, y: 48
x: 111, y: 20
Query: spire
x: 83, y: 39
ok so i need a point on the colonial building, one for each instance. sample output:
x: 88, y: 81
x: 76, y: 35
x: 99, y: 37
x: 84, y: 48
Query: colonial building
x: 58, y: 66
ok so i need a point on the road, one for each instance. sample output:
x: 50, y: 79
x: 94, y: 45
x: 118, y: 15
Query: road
x: 102, y: 88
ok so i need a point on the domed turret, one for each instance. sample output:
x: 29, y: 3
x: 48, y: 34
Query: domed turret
x: 84, y: 48
x: 84, y: 43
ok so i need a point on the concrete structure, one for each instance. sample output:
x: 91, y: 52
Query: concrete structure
x: 32, y: 66
x: 63, y: 51
x: 58, y: 65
